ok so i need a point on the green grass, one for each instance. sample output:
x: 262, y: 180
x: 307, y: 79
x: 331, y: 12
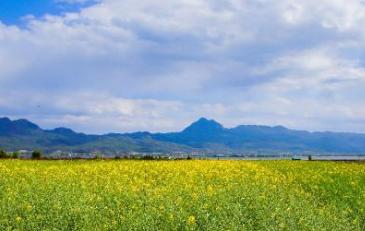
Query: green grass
x: 181, y: 195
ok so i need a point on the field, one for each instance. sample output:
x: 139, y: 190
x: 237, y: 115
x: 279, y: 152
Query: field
x: 181, y: 195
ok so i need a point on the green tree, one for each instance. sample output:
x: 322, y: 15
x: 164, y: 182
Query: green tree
x: 37, y: 154
x: 15, y: 155
x: 3, y: 154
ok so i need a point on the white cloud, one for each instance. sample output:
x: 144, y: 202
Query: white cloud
x: 75, y: 1
x: 157, y: 65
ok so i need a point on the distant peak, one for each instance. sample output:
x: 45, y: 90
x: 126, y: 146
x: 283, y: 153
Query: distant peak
x: 279, y: 127
x: 5, y: 122
x: 20, y: 126
x: 204, y: 125
x: 25, y: 124
x: 63, y: 130
x: 5, y: 119
x: 203, y: 119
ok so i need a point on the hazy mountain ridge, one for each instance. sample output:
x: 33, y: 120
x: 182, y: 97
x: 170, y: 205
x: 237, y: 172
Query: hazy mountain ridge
x: 203, y: 135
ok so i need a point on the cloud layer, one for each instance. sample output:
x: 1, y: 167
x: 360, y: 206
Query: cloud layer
x: 122, y: 65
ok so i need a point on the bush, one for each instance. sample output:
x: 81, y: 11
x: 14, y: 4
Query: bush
x: 15, y: 155
x: 36, y: 154
x: 3, y: 154
x: 148, y: 157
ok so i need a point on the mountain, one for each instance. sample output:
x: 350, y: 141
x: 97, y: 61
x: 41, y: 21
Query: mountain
x: 203, y: 127
x: 8, y: 127
x: 197, y: 135
x: 206, y: 136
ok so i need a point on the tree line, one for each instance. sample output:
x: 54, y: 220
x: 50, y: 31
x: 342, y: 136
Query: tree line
x: 15, y: 155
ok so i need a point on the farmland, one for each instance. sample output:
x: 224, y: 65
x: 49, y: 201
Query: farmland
x: 181, y: 195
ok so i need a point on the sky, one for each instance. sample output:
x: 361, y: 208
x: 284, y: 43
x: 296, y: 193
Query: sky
x: 101, y: 66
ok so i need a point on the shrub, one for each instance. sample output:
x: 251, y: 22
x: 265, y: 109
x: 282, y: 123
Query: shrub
x: 148, y: 157
x: 3, y: 154
x: 15, y: 155
x: 36, y: 154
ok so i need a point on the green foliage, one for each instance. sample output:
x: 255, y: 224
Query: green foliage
x: 3, y: 154
x: 148, y: 157
x: 37, y: 154
x: 15, y: 155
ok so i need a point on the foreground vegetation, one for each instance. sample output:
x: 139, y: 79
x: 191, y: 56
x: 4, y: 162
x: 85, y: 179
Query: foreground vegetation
x: 181, y: 195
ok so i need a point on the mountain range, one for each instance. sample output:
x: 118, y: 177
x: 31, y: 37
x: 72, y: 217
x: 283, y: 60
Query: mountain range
x: 203, y: 136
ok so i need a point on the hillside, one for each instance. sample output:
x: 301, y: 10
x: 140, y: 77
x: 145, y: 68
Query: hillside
x: 204, y: 135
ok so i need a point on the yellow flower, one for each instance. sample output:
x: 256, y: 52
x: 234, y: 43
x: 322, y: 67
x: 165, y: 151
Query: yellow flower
x: 210, y: 189
x: 191, y: 220
x: 18, y: 219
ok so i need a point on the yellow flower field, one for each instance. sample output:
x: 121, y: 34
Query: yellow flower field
x: 181, y: 195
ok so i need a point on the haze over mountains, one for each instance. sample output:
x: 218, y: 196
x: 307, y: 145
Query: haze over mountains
x: 206, y: 136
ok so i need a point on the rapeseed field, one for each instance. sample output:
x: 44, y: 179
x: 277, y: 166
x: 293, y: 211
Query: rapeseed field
x: 181, y: 195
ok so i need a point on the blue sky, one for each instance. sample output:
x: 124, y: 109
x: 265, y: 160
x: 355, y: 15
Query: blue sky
x: 126, y: 65
x: 13, y: 11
